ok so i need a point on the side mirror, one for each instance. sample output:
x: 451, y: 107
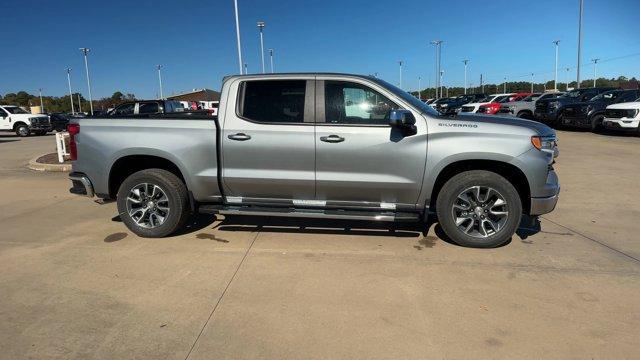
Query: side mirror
x: 404, y: 120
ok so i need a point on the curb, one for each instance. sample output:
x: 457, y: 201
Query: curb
x: 34, y: 165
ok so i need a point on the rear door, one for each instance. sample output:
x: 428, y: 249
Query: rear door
x: 360, y: 159
x: 268, y: 142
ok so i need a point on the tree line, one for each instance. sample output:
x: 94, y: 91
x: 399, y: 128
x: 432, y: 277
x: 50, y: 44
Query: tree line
x: 53, y: 104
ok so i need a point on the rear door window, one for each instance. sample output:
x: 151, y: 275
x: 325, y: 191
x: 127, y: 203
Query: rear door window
x: 273, y: 101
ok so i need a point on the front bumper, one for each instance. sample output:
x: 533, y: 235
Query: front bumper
x: 547, y: 116
x: 81, y: 185
x: 578, y: 122
x: 621, y: 124
x: 543, y: 205
x: 40, y: 127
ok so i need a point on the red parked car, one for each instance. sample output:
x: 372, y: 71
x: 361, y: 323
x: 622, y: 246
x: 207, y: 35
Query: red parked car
x: 492, y: 108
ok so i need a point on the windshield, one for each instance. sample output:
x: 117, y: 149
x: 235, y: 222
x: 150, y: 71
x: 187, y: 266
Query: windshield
x: 501, y: 98
x: 572, y: 94
x: 15, y: 110
x: 408, y: 98
x: 608, y: 96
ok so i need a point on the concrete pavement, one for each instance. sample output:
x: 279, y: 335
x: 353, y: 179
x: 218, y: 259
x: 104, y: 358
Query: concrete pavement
x: 75, y: 283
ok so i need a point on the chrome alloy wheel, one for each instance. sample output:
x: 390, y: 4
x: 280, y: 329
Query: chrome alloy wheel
x: 148, y: 205
x: 480, y: 211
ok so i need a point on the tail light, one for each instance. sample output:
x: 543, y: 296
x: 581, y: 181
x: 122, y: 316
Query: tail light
x: 73, y: 129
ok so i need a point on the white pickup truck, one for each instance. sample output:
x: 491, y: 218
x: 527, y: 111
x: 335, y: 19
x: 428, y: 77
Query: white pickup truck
x: 623, y: 116
x: 14, y: 118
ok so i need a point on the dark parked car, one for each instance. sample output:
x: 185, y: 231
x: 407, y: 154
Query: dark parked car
x: 589, y: 114
x: 451, y: 106
x: 548, y: 110
x: 58, y: 121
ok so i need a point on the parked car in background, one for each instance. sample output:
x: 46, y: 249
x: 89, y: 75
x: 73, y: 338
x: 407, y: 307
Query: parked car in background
x: 277, y: 151
x: 23, y: 123
x: 590, y: 114
x: 142, y: 107
x: 525, y: 107
x: 623, y: 116
x: 452, y: 106
x: 493, y: 107
x: 473, y: 107
x: 548, y: 110
x: 59, y: 121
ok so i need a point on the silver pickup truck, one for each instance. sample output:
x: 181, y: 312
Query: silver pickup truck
x: 324, y: 146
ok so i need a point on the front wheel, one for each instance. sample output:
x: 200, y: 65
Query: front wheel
x: 22, y: 130
x: 153, y: 203
x: 596, y: 123
x: 479, y: 209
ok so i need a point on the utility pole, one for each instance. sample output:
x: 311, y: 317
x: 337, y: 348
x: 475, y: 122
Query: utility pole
x: 481, y: 83
x: 531, y: 82
x: 85, y: 52
x: 159, y: 67
x: 465, y: 61
x: 70, y: 93
x: 400, y: 62
x: 235, y: 5
x: 437, y: 44
x: 595, y: 63
x: 261, y: 28
x: 555, y: 81
x: 579, y: 43
x: 41, y: 103
x: 271, y: 58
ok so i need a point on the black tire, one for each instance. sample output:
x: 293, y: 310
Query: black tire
x: 524, y: 115
x: 596, y: 123
x: 174, y: 189
x: 22, y: 130
x: 456, y: 185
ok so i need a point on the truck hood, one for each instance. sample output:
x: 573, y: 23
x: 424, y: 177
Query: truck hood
x: 539, y: 128
x: 628, y: 105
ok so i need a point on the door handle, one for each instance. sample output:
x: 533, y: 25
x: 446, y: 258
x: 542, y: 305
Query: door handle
x: 332, y: 139
x: 239, y: 137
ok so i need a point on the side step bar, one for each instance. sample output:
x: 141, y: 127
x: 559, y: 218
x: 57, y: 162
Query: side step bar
x: 310, y: 213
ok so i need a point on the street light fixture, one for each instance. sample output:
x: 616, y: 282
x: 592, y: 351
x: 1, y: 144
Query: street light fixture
x: 85, y: 52
x: 438, y: 44
x: 465, y: 61
x: 271, y: 58
x: 555, y: 81
x: 261, y: 28
x: 70, y: 92
x: 595, y: 63
x: 235, y: 5
x: 159, y: 67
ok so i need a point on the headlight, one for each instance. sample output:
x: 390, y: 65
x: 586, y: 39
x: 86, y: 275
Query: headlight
x: 33, y: 120
x: 544, y: 143
x: 444, y: 105
x: 631, y: 113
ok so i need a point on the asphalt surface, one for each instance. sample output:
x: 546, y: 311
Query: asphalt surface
x: 76, y: 284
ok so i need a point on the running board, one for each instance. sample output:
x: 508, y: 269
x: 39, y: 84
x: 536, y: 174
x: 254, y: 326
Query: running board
x: 310, y: 213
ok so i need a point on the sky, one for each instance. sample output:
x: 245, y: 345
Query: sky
x: 195, y: 41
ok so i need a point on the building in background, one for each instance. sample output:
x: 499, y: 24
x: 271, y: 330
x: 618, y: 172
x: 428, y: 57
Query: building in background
x: 199, y: 99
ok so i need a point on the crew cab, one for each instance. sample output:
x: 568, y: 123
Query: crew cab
x: 549, y: 110
x: 590, y: 114
x: 525, y: 107
x: 623, y: 116
x: 15, y: 119
x: 318, y: 145
x: 473, y: 107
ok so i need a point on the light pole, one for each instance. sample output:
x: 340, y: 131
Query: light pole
x: 531, y: 82
x: 481, y: 84
x: 271, y: 58
x: 235, y: 5
x: 70, y: 92
x: 465, y: 61
x: 245, y: 69
x: 567, y: 87
x: 441, y: 82
x: 438, y: 44
x: 555, y: 81
x: 504, y: 85
x: 85, y: 52
x: 579, y: 44
x: 41, y: 103
x: 261, y: 28
x: 595, y: 63
x: 419, y: 80
x: 79, y: 104
x: 159, y: 67
x: 400, y: 62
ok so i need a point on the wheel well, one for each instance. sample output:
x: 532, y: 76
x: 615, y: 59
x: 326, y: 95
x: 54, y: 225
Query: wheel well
x: 526, y: 111
x: 15, y: 126
x: 128, y: 165
x: 510, y: 172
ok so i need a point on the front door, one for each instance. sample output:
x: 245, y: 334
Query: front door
x: 360, y: 159
x: 5, y: 121
x: 268, y: 141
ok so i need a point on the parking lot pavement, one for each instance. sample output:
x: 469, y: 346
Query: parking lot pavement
x: 74, y: 283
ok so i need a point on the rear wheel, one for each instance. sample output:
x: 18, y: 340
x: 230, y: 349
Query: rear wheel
x: 479, y: 209
x: 22, y: 130
x: 153, y: 203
